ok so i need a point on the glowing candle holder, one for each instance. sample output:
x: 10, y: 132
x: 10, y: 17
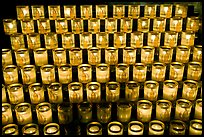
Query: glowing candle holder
x: 4, y: 98
x: 102, y: 40
x: 111, y: 25
x: 59, y: 56
x: 156, y: 127
x: 22, y: 57
x: 94, y: 55
x: 23, y: 113
x: 84, y: 112
x: 150, y: 11
x: 7, y: 116
x: 187, y: 38
x: 94, y: 25
x: 143, y: 24
x: 193, y: 24
x: 54, y: 12
x: 132, y: 89
x: 77, y: 25
x: 195, y: 127
x: 147, y: 54
x: 10, y: 26
x: 151, y: 89
x: 115, y: 128
x: 183, y: 109
x: 119, y: 40
x: 75, y: 92
x: 65, y: 112
x: 55, y: 93
x: 17, y: 41
x: 104, y: 112
x: 44, y: 113
x: 40, y: 56
x: 15, y: 93
x: 165, y: 54
x: 10, y: 74
x: 65, y: 73
x: 177, y: 127
x: 197, y: 53
x: 154, y: 39
x: 22, y: 12
x: 198, y: 109
x: 135, y: 128
x: 176, y: 24
x: 194, y: 71
x: 176, y: 71
x: 10, y: 129
x: 47, y: 74
x: 85, y: 40
x: 112, y: 91
x: 182, y: 54
x: 126, y: 25
x: 75, y: 56
x: 134, y: 11
x: 102, y: 11
x: 163, y: 110
x: 170, y: 38
x: 70, y: 11
x: 181, y: 10
x: 27, y: 26
x: 111, y: 55
x: 6, y: 57
x: 51, y: 129
x: 28, y: 74
x: 166, y: 10
x: 43, y: 26
x: 38, y: 12
x: 51, y: 41
x: 158, y: 71
x: 144, y: 110
x: 122, y: 72
x: 129, y: 55
x: 94, y: 128
x: 159, y: 24
x: 170, y: 89
x: 86, y: 11
x: 190, y: 89
x: 118, y: 11
x: 136, y: 40
x: 33, y: 40
x: 84, y: 73
x: 61, y: 25
x: 124, y: 111
x: 102, y: 73
x: 93, y: 92
x: 139, y: 72
x: 36, y: 93
x: 30, y: 129
x: 68, y: 40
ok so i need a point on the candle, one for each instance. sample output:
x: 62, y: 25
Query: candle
x: 195, y: 127
x: 7, y: 117
x: 10, y: 26
x: 16, y: 94
x: 132, y: 91
x: 143, y: 24
x: 176, y: 71
x: 190, y: 89
x: 44, y: 113
x: 129, y: 55
x: 6, y: 57
x: 54, y: 12
x: 133, y: 11
x: 122, y: 72
x: 37, y: 11
x: 158, y: 71
x: 139, y: 72
x: 51, y: 41
x: 59, y: 56
x: 93, y: 92
x: 183, y: 109
x: 102, y: 73
x: 94, y: 128
x: 177, y: 127
x: 102, y: 40
x: 27, y: 26
x: 22, y: 57
x: 28, y: 73
x: 40, y: 56
x: 43, y: 26
x: 17, y: 41
x: 124, y: 111
x: 144, y: 110
x: 197, y: 53
x: 4, y: 98
x: 84, y: 73
x: 194, y: 71
x: 192, y: 24
x: 61, y: 26
x: 94, y: 55
x: 170, y: 89
x: 112, y: 91
x: 163, y: 110
x: 181, y: 10
x: 176, y: 24
x: 51, y: 129
x: 36, y: 93
x: 22, y: 12
x: 75, y: 92
x: 33, y: 40
x: 135, y: 128
x: 10, y: 129
x: 115, y: 128
x: 10, y: 74
x: 165, y: 54
x: 65, y: 112
x: 47, y: 74
x: 65, y: 73
x: 85, y: 40
x: 136, y: 40
x: 84, y: 112
x: 156, y: 127
x: 187, y: 38
x: 104, y: 112
x: 170, y: 38
x: 75, y: 56
x: 111, y: 55
x: 30, y: 129
x: 151, y: 89
x: 55, y: 93
x: 69, y: 11
x: 198, y: 109
x: 147, y: 55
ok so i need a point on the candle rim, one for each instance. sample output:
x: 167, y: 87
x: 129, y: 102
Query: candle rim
x: 51, y: 125
x: 10, y: 126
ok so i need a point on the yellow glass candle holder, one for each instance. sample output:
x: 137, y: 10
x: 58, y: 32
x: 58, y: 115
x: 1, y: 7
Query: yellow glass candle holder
x: 43, y: 26
x: 51, y: 41
x: 22, y: 57
x: 193, y: 24
x: 144, y: 110
x: 94, y: 128
x: 6, y: 57
x: 163, y: 110
x: 17, y: 41
x: 7, y: 116
x: 59, y: 56
x: 94, y: 25
x: 10, y: 74
x: 118, y: 11
x: 44, y: 113
x: 4, y: 91
x: 159, y: 24
x: 40, y: 56
x: 93, y: 92
x: 166, y: 10
x: 187, y: 38
x: 182, y: 54
x: 176, y: 71
x: 104, y: 112
x: 119, y: 40
x: 86, y: 11
x: 54, y: 12
x: 22, y: 12
x: 33, y: 40
x: 177, y: 127
x: 10, y: 129
x: 65, y: 112
x: 84, y: 112
x: 198, y: 109
x: 75, y: 56
x: 36, y: 92
x: 85, y: 40
x: 143, y: 24
x: 28, y: 73
x: 181, y: 10
x: 156, y: 127
x: 37, y: 12
x: 111, y: 25
x: 134, y: 11
x: 151, y: 89
x: 139, y: 72
x: 15, y: 93
x: 94, y: 55
x: 190, y: 90
x: 195, y: 127
x: 124, y: 110
x: 51, y: 129
x: 197, y: 53
x: 111, y: 55
x: 10, y: 26
x: 112, y: 91
x: 132, y: 89
x: 126, y: 25
x: 77, y: 25
x: 68, y: 40
x: 150, y: 11
x: 55, y: 93
x: 135, y: 128
x: 75, y: 92
x: 65, y: 73
x: 61, y: 25
x: 115, y: 128
x: 147, y: 54
x: 84, y: 73
x: 165, y: 54
x: 170, y: 89
x: 158, y: 71
x: 176, y: 24
x: 194, y: 71
x: 122, y: 72
x: 102, y: 11
x: 30, y: 129
x: 136, y: 40
x: 47, y: 74
x: 27, y: 26
x: 102, y: 40
x: 170, y: 38
x: 154, y: 38
x: 183, y: 110
x: 70, y: 11
x: 129, y: 55
x: 102, y: 73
